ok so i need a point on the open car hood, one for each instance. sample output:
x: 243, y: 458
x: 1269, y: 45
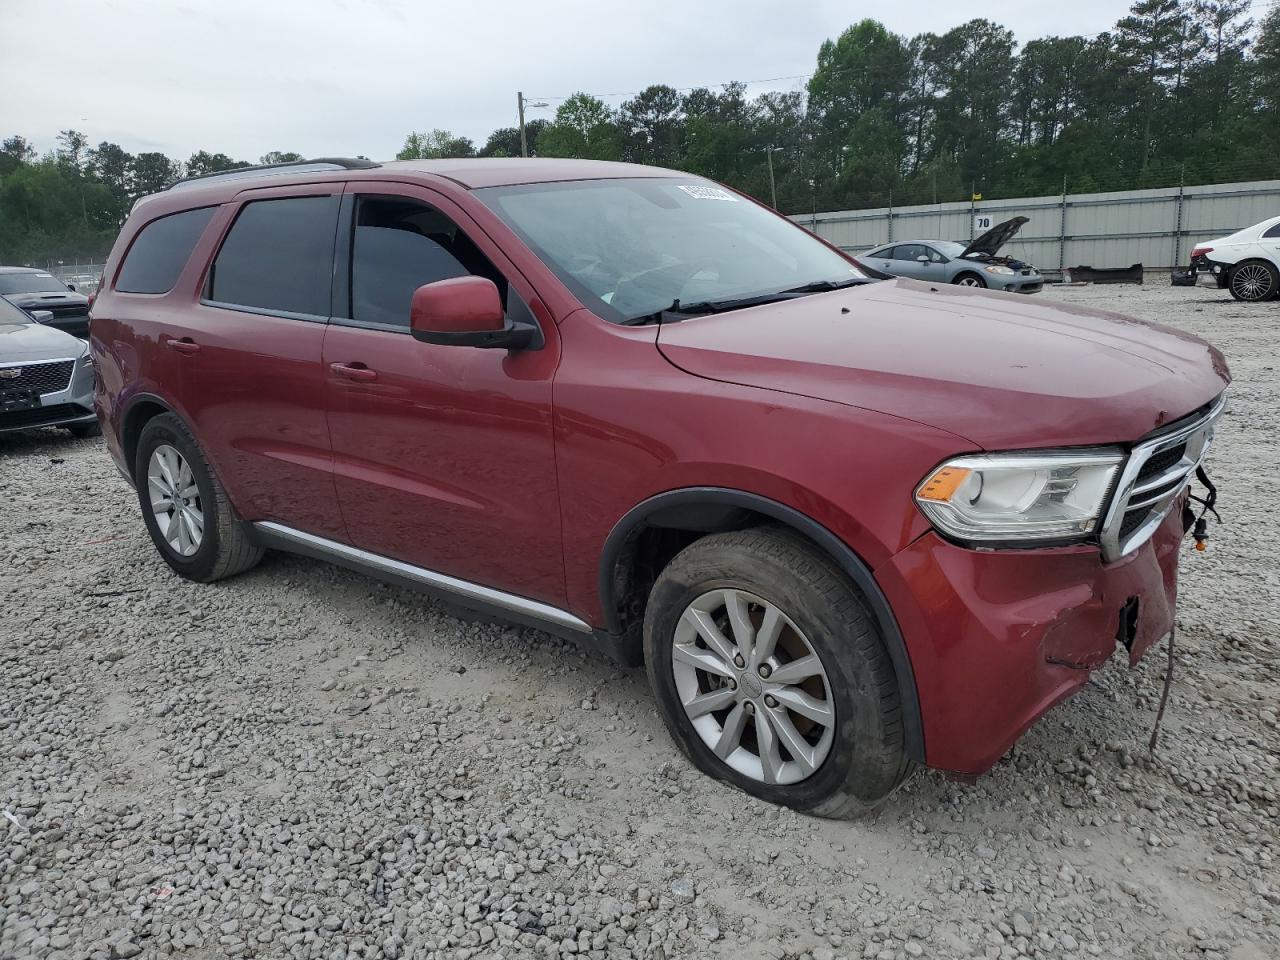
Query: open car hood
x: 989, y: 243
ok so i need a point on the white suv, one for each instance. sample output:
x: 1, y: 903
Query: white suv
x: 1247, y: 262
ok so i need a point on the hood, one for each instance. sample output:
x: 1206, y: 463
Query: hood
x: 34, y: 341
x: 47, y: 299
x: 989, y: 243
x: 993, y: 368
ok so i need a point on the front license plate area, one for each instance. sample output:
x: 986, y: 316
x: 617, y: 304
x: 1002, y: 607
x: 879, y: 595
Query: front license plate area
x: 12, y: 401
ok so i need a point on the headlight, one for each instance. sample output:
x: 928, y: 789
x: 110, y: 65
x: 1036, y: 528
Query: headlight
x: 999, y: 269
x: 1027, y: 497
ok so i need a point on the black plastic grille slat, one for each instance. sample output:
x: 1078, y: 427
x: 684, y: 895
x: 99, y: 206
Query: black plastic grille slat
x: 72, y: 311
x: 39, y: 377
x: 1133, y: 520
x: 1160, y: 462
x: 41, y: 415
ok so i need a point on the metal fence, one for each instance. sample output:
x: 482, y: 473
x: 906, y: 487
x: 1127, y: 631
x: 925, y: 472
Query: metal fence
x: 83, y: 273
x: 1156, y: 228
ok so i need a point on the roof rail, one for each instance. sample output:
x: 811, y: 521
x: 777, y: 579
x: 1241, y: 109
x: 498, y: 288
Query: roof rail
x: 318, y: 165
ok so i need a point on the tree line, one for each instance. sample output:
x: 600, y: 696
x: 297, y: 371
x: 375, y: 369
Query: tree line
x: 1178, y: 90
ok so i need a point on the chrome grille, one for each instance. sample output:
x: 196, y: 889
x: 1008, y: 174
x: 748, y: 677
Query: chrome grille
x: 1157, y: 471
x: 40, y: 377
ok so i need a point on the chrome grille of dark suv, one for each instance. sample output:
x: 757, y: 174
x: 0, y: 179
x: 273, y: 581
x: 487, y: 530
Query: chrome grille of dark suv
x: 40, y: 378
x: 1158, y: 469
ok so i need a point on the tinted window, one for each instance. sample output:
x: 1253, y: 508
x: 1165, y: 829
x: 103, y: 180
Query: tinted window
x: 278, y: 256
x: 397, y: 246
x: 161, y: 251
x: 1272, y: 231
x: 910, y: 251
x: 885, y: 254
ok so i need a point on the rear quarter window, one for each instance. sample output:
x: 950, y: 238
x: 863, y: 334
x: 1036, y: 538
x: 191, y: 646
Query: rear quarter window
x: 160, y: 251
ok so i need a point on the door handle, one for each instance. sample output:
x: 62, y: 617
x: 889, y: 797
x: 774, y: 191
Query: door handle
x: 354, y: 371
x: 185, y: 346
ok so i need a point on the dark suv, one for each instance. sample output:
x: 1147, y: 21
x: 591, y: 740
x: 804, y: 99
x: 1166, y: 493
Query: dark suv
x: 847, y: 526
x: 36, y: 290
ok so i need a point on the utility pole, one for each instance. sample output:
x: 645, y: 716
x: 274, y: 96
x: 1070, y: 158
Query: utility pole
x: 773, y: 187
x: 521, y: 103
x: 524, y: 141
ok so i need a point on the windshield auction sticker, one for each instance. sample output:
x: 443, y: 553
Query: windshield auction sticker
x: 701, y: 192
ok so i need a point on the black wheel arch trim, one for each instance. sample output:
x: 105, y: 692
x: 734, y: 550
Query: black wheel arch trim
x: 852, y: 565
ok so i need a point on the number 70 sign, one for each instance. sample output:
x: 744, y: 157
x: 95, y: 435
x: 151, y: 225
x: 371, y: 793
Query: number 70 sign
x: 982, y: 223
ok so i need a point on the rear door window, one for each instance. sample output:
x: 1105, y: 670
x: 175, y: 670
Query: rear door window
x: 160, y: 251
x: 278, y: 257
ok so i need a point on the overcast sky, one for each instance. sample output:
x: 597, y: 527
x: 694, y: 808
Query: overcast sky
x: 347, y: 77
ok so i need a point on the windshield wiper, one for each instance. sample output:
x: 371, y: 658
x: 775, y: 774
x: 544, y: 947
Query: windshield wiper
x: 678, y: 310
x: 822, y: 286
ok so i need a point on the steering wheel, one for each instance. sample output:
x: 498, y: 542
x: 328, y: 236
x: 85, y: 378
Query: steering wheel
x: 634, y: 287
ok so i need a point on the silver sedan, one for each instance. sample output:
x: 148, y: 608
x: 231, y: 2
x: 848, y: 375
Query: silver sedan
x: 46, y: 376
x: 977, y: 264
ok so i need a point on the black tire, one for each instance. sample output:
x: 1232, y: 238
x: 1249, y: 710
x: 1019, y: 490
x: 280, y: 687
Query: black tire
x: 82, y: 431
x: 225, y: 548
x: 1253, y: 281
x: 867, y: 760
x: 976, y: 279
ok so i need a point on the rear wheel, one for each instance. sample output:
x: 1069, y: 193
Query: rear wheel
x: 771, y: 675
x: 1253, y: 281
x: 969, y: 280
x: 185, y: 508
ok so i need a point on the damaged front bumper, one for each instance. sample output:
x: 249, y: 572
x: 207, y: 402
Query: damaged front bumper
x: 998, y: 637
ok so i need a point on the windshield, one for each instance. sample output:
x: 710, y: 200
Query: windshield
x: 31, y: 283
x: 633, y: 247
x: 11, y: 314
x: 949, y: 248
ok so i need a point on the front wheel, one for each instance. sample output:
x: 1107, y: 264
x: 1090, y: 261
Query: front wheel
x: 969, y: 280
x: 1253, y: 281
x: 771, y: 674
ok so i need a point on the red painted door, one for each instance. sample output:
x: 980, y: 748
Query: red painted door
x: 250, y: 353
x: 442, y: 455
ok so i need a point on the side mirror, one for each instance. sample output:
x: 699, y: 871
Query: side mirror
x: 922, y: 259
x: 41, y: 316
x: 465, y: 312
x: 71, y: 287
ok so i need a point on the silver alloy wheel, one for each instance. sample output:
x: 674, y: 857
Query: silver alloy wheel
x: 1252, y: 281
x: 175, y: 500
x: 753, y: 687
x: 970, y: 282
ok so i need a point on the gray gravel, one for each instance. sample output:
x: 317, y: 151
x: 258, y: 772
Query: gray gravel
x: 304, y: 763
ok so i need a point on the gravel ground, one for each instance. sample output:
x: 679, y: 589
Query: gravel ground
x: 304, y: 763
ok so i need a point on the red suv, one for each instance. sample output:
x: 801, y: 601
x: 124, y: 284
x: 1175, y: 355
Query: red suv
x: 848, y: 526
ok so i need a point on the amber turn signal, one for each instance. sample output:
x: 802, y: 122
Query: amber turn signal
x: 944, y: 483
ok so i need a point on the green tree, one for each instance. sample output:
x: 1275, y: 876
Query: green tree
x: 505, y: 141
x: 14, y: 152
x: 435, y: 145
x: 71, y: 148
x: 276, y: 156
x: 584, y: 126
x: 652, y: 126
x: 152, y: 172
x: 202, y: 162
x: 1153, y: 38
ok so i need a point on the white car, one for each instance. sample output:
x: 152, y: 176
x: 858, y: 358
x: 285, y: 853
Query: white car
x: 1247, y: 262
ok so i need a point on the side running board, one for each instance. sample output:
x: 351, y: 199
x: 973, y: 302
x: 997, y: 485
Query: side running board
x: 508, y: 605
